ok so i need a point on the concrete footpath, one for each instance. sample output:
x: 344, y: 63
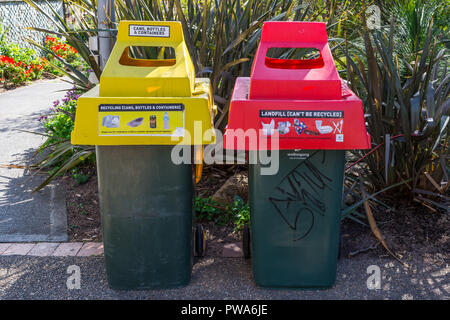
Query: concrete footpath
x: 25, y: 216
x: 52, y: 277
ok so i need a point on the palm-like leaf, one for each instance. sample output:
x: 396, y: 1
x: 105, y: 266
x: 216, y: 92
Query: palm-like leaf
x: 406, y: 102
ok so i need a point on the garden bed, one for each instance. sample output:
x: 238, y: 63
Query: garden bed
x: 83, y: 210
x: 409, y: 230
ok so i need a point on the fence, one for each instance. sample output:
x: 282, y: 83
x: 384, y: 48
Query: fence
x: 15, y: 15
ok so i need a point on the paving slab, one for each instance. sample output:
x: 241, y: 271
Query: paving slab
x: 18, y: 249
x: 43, y: 249
x: 67, y: 249
x: 91, y: 249
x: 26, y: 216
x: 4, y: 246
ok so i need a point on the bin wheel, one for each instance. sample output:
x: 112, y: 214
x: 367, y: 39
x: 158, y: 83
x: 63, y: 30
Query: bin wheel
x: 200, y: 241
x: 246, y: 241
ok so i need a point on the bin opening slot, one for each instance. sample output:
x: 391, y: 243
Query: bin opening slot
x: 294, y: 58
x: 148, y: 56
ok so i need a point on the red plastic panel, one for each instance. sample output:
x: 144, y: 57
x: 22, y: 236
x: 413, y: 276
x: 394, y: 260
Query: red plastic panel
x: 294, y: 104
x: 294, y: 124
x: 298, y: 79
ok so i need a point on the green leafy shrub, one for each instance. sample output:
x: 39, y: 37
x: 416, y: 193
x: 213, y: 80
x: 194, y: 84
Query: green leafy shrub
x: 12, y: 50
x: 236, y: 213
x: 240, y: 212
x: 17, y: 65
x: 80, y: 178
x: 59, y: 123
x: 58, y: 126
x: 209, y: 210
x: 405, y: 94
x: 75, y: 36
x: 62, y: 50
x: 413, y: 17
x: 18, y: 72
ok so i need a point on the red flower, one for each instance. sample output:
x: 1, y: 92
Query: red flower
x: 50, y: 39
x: 7, y: 59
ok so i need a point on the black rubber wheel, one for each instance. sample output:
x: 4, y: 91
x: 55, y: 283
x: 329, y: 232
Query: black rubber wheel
x: 246, y: 240
x: 200, y: 241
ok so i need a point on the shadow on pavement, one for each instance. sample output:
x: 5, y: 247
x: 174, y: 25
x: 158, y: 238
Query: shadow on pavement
x: 218, y: 278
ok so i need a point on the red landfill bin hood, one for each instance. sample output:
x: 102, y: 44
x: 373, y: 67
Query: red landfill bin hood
x: 303, y: 104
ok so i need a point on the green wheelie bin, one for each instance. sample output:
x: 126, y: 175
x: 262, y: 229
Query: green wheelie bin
x: 146, y: 207
x: 295, y: 219
x: 296, y: 118
x: 137, y: 117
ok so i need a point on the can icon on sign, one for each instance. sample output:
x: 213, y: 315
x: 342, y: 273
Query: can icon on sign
x: 153, y: 122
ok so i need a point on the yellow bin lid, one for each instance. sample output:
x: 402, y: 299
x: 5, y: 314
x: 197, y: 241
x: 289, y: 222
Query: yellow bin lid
x: 147, y: 101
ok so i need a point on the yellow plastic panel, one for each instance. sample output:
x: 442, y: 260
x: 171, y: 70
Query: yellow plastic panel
x: 146, y: 102
x: 144, y: 121
x: 142, y: 80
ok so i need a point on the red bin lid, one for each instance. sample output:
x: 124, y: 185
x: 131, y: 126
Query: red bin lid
x: 302, y: 104
x: 273, y: 78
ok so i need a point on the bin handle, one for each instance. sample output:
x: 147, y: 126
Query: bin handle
x: 297, y: 32
x: 126, y: 60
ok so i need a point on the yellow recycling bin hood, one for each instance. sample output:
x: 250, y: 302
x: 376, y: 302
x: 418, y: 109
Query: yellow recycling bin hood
x: 147, y: 101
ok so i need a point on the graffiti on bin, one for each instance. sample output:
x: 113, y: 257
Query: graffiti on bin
x: 298, y: 196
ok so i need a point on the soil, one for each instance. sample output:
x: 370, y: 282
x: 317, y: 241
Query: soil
x: 83, y: 210
x: 217, y: 236
x: 409, y: 229
x: 214, y: 176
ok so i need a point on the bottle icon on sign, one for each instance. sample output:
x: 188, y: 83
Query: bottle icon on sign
x: 166, y: 121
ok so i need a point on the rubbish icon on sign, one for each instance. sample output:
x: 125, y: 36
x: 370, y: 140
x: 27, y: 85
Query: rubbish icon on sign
x: 268, y: 128
x: 136, y: 122
x: 283, y: 127
x: 299, y: 126
x: 323, y: 129
x: 111, y: 121
x: 338, y: 126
